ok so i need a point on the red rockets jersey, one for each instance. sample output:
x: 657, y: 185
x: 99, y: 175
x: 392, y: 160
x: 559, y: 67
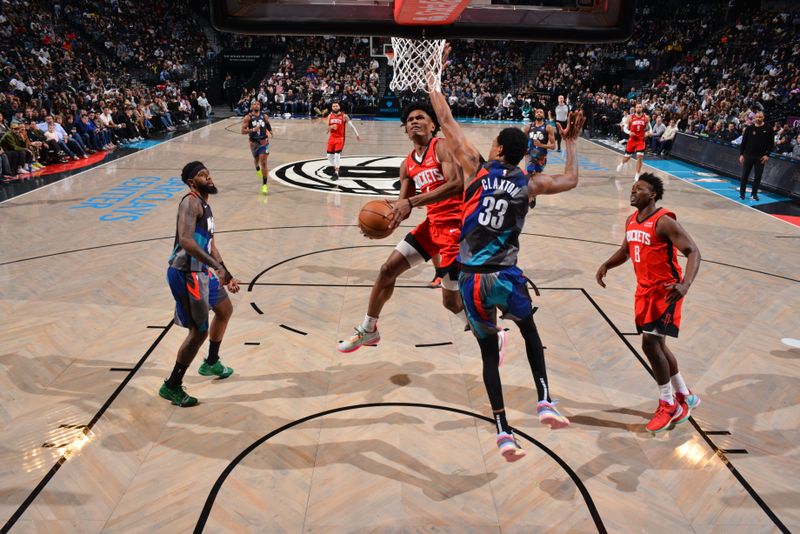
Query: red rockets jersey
x: 637, y: 125
x: 655, y: 260
x: 336, y: 124
x: 428, y: 176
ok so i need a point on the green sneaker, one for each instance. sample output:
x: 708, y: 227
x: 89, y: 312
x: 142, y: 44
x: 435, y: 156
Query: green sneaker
x: 215, y: 370
x: 177, y: 396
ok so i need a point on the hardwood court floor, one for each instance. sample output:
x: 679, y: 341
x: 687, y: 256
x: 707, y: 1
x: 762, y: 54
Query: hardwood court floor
x: 387, y: 439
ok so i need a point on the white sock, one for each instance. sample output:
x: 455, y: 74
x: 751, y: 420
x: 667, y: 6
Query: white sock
x: 331, y: 159
x: 665, y: 391
x: 370, y: 323
x: 463, y: 316
x: 337, y: 158
x: 678, y: 384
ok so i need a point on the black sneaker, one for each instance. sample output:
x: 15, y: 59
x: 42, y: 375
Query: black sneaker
x: 335, y: 176
x: 754, y: 197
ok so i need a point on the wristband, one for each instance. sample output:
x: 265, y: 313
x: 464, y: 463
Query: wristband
x: 222, y: 264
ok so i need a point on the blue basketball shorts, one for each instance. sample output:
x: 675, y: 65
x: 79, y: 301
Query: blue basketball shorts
x: 195, y: 293
x: 259, y: 147
x: 485, y: 293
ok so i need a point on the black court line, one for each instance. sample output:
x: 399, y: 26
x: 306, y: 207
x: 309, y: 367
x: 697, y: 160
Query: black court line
x: 72, y: 426
x: 126, y: 369
x: 787, y: 237
x: 733, y: 451
x: 718, y: 433
x: 705, y: 435
x: 262, y: 229
x: 295, y: 330
x: 155, y: 326
x: 256, y: 308
x: 631, y: 334
x: 86, y: 429
x: 644, y: 364
x: 252, y: 343
x: 268, y: 269
x: 442, y: 344
x: 215, y: 489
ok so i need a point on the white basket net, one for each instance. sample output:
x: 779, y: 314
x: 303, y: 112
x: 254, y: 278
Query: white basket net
x: 415, y: 63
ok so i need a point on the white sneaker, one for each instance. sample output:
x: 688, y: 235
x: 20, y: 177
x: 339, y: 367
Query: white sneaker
x: 619, y: 167
x: 636, y: 177
x: 360, y: 337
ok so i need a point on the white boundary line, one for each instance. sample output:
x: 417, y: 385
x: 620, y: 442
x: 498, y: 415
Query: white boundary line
x: 772, y: 217
x: 113, y: 161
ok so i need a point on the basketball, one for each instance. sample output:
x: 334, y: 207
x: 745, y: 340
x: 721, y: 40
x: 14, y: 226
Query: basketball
x: 373, y: 219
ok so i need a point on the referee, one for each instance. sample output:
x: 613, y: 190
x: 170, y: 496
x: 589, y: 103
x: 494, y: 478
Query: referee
x: 757, y: 143
x: 562, y: 110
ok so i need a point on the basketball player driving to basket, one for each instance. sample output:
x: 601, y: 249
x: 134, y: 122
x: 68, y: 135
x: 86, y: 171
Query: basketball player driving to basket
x: 428, y: 169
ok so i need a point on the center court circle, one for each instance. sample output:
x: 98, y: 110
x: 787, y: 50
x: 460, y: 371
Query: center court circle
x: 358, y: 175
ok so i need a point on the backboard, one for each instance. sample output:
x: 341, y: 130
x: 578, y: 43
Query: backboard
x: 522, y: 20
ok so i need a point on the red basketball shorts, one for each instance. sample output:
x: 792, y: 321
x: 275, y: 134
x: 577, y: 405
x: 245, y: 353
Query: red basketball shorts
x: 653, y: 314
x: 635, y: 144
x: 335, y: 144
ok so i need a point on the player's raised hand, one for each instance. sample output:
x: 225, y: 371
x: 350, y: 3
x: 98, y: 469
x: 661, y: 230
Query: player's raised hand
x: 575, y: 121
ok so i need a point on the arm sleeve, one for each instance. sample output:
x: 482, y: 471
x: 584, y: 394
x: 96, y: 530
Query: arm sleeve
x: 353, y: 126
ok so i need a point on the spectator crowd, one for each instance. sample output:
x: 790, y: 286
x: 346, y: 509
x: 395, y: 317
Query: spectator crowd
x: 78, y: 77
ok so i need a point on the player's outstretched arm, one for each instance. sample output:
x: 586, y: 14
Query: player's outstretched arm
x: 618, y: 258
x: 551, y: 184
x: 669, y: 228
x: 464, y: 153
x: 349, y: 122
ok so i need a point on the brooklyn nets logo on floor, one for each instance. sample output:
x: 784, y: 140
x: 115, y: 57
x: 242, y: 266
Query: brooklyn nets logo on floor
x: 358, y: 175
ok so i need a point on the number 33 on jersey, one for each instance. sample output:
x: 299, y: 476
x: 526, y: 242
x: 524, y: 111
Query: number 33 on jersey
x: 495, y: 206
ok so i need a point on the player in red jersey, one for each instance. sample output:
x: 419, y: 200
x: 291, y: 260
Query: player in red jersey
x: 638, y: 128
x: 428, y: 169
x: 652, y: 239
x: 336, y: 121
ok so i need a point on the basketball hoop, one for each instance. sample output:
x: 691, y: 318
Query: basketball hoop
x: 389, y: 53
x: 415, y: 62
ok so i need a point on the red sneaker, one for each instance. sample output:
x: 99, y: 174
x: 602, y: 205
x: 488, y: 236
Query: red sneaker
x: 685, y: 411
x: 692, y: 400
x: 664, y: 416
